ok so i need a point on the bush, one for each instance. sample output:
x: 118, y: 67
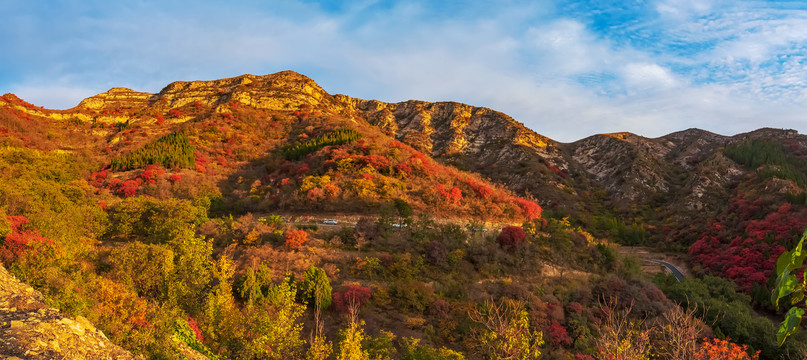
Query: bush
x: 351, y: 298
x: 295, y: 238
x: 511, y: 237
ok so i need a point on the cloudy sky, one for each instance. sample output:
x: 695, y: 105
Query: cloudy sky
x: 566, y: 69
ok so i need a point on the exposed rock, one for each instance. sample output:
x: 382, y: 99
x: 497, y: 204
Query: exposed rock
x: 116, y: 98
x: 31, y: 330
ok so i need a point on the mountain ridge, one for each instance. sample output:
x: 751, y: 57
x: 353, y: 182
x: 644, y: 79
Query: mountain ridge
x: 627, y: 167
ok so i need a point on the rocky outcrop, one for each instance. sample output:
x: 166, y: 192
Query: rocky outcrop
x: 31, y: 330
x: 629, y: 167
x: 280, y: 91
x: 117, y: 98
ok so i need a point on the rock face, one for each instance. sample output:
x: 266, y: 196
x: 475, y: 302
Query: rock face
x: 116, y: 97
x: 31, y: 330
x: 280, y: 91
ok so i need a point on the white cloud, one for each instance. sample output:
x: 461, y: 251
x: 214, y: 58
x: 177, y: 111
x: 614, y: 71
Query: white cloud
x: 554, y: 73
x: 646, y: 76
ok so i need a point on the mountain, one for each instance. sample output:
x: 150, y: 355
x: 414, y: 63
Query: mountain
x: 194, y: 217
x: 260, y: 142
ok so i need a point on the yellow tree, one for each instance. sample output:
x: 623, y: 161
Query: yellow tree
x: 505, y: 332
x: 621, y: 338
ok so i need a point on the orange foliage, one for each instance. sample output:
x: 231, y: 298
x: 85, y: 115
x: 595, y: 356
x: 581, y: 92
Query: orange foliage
x: 530, y: 209
x: 295, y: 238
x: 331, y: 191
x: 717, y: 349
x: 453, y: 194
x: 315, y: 194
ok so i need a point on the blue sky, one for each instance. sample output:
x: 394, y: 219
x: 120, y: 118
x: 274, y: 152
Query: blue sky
x: 566, y: 69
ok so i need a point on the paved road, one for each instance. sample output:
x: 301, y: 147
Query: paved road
x: 670, y: 267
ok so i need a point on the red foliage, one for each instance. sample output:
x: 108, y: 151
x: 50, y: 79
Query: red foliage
x: 397, y: 144
x: 583, y: 357
x: 574, y: 307
x: 201, y: 159
x: 174, y: 113
x: 529, y: 209
x: 302, y: 170
x: 284, y: 182
x: 147, y: 175
x: 748, y: 259
x: 20, y: 241
x: 195, y: 327
x: 480, y: 189
x: 403, y: 168
x: 315, y: 194
x: 295, y: 238
x: 160, y: 119
x: 558, y: 336
x: 221, y: 160
x: 97, y: 179
x: 421, y: 162
x: 128, y: 188
x: 353, y: 296
x: 453, y: 194
x: 511, y: 237
x: 717, y: 349
x: 374, y: 161
x: 174, y: 178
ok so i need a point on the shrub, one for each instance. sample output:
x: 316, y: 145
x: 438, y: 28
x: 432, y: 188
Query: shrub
x: 717, y: 349
x: 351, y: 298
x: 558, y: 336
x: 19, y: 241
x: 295, y: 238
x: 511, y: 237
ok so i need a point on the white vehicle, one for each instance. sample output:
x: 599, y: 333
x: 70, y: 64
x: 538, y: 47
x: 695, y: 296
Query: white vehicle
x: 330, y: 222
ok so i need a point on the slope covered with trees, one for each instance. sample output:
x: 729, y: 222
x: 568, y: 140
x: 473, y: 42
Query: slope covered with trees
x: 188, y: 217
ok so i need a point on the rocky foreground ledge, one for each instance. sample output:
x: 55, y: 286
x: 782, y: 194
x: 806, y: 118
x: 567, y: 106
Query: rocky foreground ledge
x: 30, y: 329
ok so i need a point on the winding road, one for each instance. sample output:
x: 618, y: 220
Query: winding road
x: 679, y: 275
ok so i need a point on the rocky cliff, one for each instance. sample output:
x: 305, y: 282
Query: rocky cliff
x: 30, y: 329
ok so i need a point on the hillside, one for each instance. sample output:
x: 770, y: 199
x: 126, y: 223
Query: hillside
x: 271, y: 142
x: 193, y: 218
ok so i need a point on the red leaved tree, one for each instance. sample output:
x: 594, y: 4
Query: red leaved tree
x: 511, y: 237
x: 349, y: 300
x: 295, y: 238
